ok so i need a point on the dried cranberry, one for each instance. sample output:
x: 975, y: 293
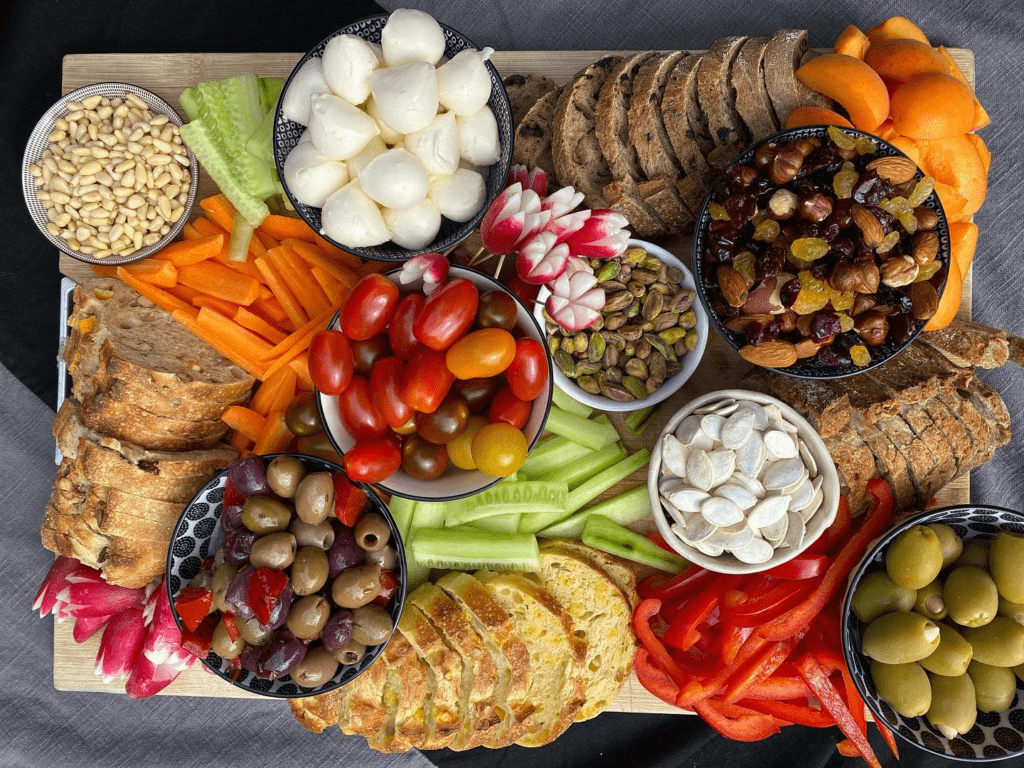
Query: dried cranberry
x: 843, y: 249
x: 788, y: 293
x: 769, y: 263
x: 894, y: 298
x: 819, y: 159
x: 824, y: 324
x: 867, y: 189
x: 886, y: 219
x: 754, y: 332
x: 844, y: 341
x: 821, y: 271
x: 830, y: 231
x: 772, y: 330
x: 901, y: 328
x: 741, y: 208
x: 804, y: 229
x: 830, y: 356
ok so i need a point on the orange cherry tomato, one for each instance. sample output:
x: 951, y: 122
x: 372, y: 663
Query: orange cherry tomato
x: 499, y: 449
x: 481, y: 354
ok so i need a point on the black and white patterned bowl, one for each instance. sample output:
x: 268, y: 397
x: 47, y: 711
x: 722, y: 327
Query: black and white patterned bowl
x: 287, y: 134
x: 994, y: 736
x: 811, y: 368
x: 198, y: 535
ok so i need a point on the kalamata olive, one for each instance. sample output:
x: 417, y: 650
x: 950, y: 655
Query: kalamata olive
x: 202, y: 580
x: 237, y: 546
x: 309, y: 571
x: 275, y: 550
x: 371, y: 624
x: 337, y: 632
x: 223, y: 645
x: 231, y: 518
x: 366, y: 353
x: 372, y: 532
x: 223, y: 577
x: 344, y: 553
x: 385, y: 557
x: 318, y: 445
x: 279, y: 613
x: 314, y: 498
x: 280, y: 656
x: 308, y: 616
x: 249, y: 476
x: 320, y: 535
x: 444, y: 424
x: 317, y: 668
x: 477, y: 393
x: 236, y: 597
x: 496, y: 309
x: 265, y: 515
x: 351, y: 653
x: 253, y: 632
x: 284, y: 474
x: 303, y: 418
x: 356, y: 586
x: 422, y: 460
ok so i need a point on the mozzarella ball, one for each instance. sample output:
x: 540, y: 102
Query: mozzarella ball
x: 338, y: 129
x: 311, y: 176
x: 460, y: 195
x: 414, y: 227
x: 406, y: 96
x: 411, y: 35
x: 464, y: 83
x: 437, y: 145
x: 374, y: 147
x: 309, y: 80
x: 353, y: 219
x: 390, y: 136
x: 348, y: 61
x: 478, y: 137
x: 395, y: 179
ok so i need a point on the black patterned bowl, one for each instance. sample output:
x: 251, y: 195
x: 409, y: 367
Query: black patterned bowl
x: 994, y: 736
x: 287, y: 134
x: 198, y: 535
x: 707, y: 283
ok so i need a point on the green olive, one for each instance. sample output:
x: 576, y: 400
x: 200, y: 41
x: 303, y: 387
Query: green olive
x: 223, y: 645
x: 904, y: 686
x: 900, y: 638
x: 314, y: 498
x: 275, y: 550
x: 1019, y: 671
x: 953, y: 709
x: 1010, y: 610
x: 261, y: 514
x: 929, y: 601
x: 975, y: 553
x: 994, y: 687
x: 914, y: 558
x: 316, y: 668
x: 951, y: 544
x: 1006, y: 564
x: 308, y: 616
x: 971, y: 596
x: 877, y: 595
x: 951, y: 657
x: 309, y: 571
x: 253, y: 632
x: 222, y: 579
x: 284, y: 474
x: 999, y: 643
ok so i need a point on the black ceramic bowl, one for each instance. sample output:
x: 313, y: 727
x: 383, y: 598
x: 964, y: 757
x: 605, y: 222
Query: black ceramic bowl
x: 199, y: 535
x: 703, y: 270
x: 288, y: 133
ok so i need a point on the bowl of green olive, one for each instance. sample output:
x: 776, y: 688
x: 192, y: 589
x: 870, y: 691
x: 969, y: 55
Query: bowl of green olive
x: 933, y: 631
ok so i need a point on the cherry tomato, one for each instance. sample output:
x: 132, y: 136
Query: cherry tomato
x: 408, y: 428
x: 367, y: 352
x: 422, y: 460
x: 445, y: 423
x: 509, y: 409
x: 497, y: 310
x: 481, y: 354
x: 499, y: 449
x: 526, y: 292
x: 447, y: 314
x: 385, y: 379
x: 369, y: 308
x: 427, y: 381
x: 330, y: 362
x: 403, y: 342
x: 303, y: 418
x: 477, y: 392
x: 460, y: 450
x: 372, y: 460
x: 358, y: 414
x: 527, y: 374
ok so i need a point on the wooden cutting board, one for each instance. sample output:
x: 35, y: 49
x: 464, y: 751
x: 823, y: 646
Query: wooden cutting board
x: 168, y: 75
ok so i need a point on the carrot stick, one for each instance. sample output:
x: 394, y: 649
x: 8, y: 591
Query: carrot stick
x: 220, y: 210
x: 158, y: 296
x: 257, y: 324
x: 154, y: 271
x: 275, y: 435
x: 184, y: 293
x: 333, y: 288
x: 226, y: 308
x: 306, y: 332
x: 282, y: 293
x: 280, y: 227
x: 189, y: 232
x: 244, y: 420
x: 240, y: 443
x: 296, y: 274
x: 316, y: 258
x: 185, y: 252
x: 371, y: 267
x: 246, y: 342
x: 215, y: 279
x: 350, y: 260
x: 217, y: 342
x: 286, y: 392
x: 268, y: 241
x: 300, y: 365
x: 267, y: 392
x: 206, y: 228
x: 270, y: 309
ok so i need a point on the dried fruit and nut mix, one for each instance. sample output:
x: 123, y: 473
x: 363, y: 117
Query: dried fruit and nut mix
x: 646, y: 325
x: 821, y: 249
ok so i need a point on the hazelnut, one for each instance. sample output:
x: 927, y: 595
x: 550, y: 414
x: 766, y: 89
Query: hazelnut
x: 786, y: 165
x: 898, y: 272
x: 816, y: 207
x: 783, y: 204
x: 872, y: 327
x: 862, y: 277
x: 748, y: 175
x: 764, y: 155
x: 926, y: 218
x: 805, y: 146
x: 862, y: 304
x: 787, y: 321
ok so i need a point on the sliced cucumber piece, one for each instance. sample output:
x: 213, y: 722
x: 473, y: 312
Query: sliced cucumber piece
x: 601, y: 533
x: 593, y: 434
x: 466, y: 549
x: 586, y: 467
x: 623, y: 509
x: 506, y: 523
x: 402, y: 510
x: 554, y: 452
x: 524, y: 497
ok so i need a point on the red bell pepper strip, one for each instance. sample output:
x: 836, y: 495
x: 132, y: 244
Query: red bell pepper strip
x: 758, y: 609
x: 759, y: 668
x: 232, y: 496
x: 801, y: 567
x: 890, y: 740
x: 733, y: 639
x: 836, y: 532
x: 800, y: 714
x: 657, y: 538
x: 667, y: 588
x: 645, y: 611
x: 231, y: 627
x: 847, y: 749
x: 197, y: 641
x: 265, y: 587
x: 388, y: 587
x: 779, y: 688
x: 669, y: 610
x: 684, y: 631
x: 653, y: 678
x: 745, y: 727
x: 349, y: 500
x: 192, y: 605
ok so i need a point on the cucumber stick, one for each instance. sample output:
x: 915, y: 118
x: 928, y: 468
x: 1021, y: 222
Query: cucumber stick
x: 601, y: 533
x: 593, y: 434
x: 428, y: 514
x: 506, y: 523
x: 585, y: 468
x: 566, y: 403
x: 600, y: 483
x: 524, y: 497
x: 467, y: 548
x: 554, y: 452
x: 623, y: 509
x: 402, y: 510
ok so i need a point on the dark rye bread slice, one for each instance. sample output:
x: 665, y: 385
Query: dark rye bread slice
x: 625, y: 197
x: 855, y: 465
x: 692, y: 189
x: 532, y: 146
x: 646, y: 127
x: 752, y: 100
x: 574, y: 146
x: 524, y: 91
x: 611, y: 117
x: 991, y: 407
x: 782, y: 58
x: 684, y: 120
x: 661, y: 195
x: 152, y: 399
x: 717, y: 96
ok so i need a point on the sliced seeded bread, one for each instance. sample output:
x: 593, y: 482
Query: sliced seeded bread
x: 646, y: 126
x: 106, y: 413
x: 782, y: 58
x: 752, y: 100
x: 684, y: 120
x: 661, y: 195
x: 611, y: 117
x: 692, y: 189
x: 524, y: 91
x: 360, y: 706
x: 968, y: 344
x: 625, y: 197
x: 854, y: 464
x: 717, y: 96
x: 533, y: 136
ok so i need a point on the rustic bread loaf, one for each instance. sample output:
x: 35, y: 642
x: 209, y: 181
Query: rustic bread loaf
x: 782, y: 58
x: 968, y: 344
x: 716, y: 94
x: 317, y: 713
x: 752, y: 100
x: 625, y: 197
x: 404, y: 699
x: 684, y: 120
x: 646, y: 126
x: 524, y: 91
x: 661, y: 195
x: 611, y: 117
x: 532, y: 145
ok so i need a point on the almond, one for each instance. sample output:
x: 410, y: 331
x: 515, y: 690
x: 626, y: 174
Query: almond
x: 869, y: 226
x: 924, y: 298
x: 925, y: 247
x: 740, y: 322
x: 734, y: 287
x: 770, y: 354
x: 895, y: 169
x: 807, y: 348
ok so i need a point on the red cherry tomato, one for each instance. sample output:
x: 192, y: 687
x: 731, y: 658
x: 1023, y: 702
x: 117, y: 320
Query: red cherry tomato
x: 447, y: 314
x: 403, y: 342
x: 385, y: 380
x: 330, y: 362
x: 506, y: 408
x: 358, y: 413
x: 370, y: 307
x: 372, y: 460
x: 427, y: 380
x: 525, y: 292
x: 527, y: 374
x: 481, y: 354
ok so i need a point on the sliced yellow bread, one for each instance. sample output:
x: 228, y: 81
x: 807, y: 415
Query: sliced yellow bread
x: 403, y: 717
x: 620, y: 571
x: 318, y: 713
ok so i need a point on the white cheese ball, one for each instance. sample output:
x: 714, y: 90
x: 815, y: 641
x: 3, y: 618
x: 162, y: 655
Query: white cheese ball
x: 374, y: 147
x: 414, y: 227
x: 311, y: 176
x: 405, y: 96
x: 338, y: 129
x: 478, y: 137
x: 348, y: 61
x: 464, y: 83
x: 460, y: 195
x: 395, y: 179
x: 437, y: 145
x: 353, y: 219
x: 411, y: 35
x: 309, y: 80
x: 390, y: 136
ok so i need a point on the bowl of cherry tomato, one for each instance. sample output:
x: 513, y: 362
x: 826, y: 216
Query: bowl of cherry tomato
x: 432, y: 397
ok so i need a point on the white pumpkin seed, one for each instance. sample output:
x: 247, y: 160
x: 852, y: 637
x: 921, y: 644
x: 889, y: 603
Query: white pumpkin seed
x: 714, y: 407
x: 698, y: 529
x: 688, y: 429
x: 674, y: 455
x: 688, y: 500
x: 776, y: 532
x: 699, y: 470
x: 812, y: 508
x: 768, y: 511
x: 737, y: 430
x: 816, y: 483
x: 723, y: 463
x: 680, y: 533
x: 670, y: 485
x: 779, y: 445
x: 772, y: 416
x: 727, y: 409
x: 797, y: 530
x: 733, y: 536
x: 802, y: 496
x: 676, y: 514
x: 751, y: 455
x: 782, y: 473
x: 760, y: 415
x: 752, y: 484
x: 790, y: 489
x: 709, y: 549
x: 721, y: 512
x: 754, y: 552
x: 808, y: 457
x: 711, y: 425
x: 737, y: 494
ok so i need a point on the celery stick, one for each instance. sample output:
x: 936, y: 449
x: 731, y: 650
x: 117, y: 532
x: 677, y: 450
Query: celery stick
x: 554, y: 452
x: 601, y: 533
x: 592, y: 434
x: 428, y: 514
x: 623, y: 509
x: 505, y: 523
x: 524, y: 497
x: 416, y: 573
x: 585, y: 468
x: 598, y: 484
x: 634, y: 418
x: 466, y: 548
x: 402, y: 510
x: 565, y: 401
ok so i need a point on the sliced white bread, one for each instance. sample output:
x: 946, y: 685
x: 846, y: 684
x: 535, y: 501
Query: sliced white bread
x: 318, y: 713
x: 401, y: 723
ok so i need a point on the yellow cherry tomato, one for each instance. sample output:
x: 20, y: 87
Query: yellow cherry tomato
x: 460, y: 450
x: 481, y: 354
x: 499, y: 449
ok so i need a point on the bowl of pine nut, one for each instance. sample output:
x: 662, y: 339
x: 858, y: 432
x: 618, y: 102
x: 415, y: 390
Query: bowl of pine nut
x: 106, y: 175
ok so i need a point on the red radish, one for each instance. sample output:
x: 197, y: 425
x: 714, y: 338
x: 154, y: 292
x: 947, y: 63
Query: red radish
x: 55, y: 582
x: 148, y: 679
x: 432, y: 268
x: 565, y: 226
x: 602, y: 236
x: 514, y: 216
x: 86, y: 628
x: 575, y: 264
x: 561, y: 201
x: 90, y: 596
x: 540, y: 260
x: 121, y: 644
x: 535, y: 178
x: 575, y: 302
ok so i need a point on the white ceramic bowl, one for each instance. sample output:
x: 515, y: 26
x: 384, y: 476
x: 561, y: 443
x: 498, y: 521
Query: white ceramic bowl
x: 455, y: 483
x: 672, y: 385
x: 726, y: 562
